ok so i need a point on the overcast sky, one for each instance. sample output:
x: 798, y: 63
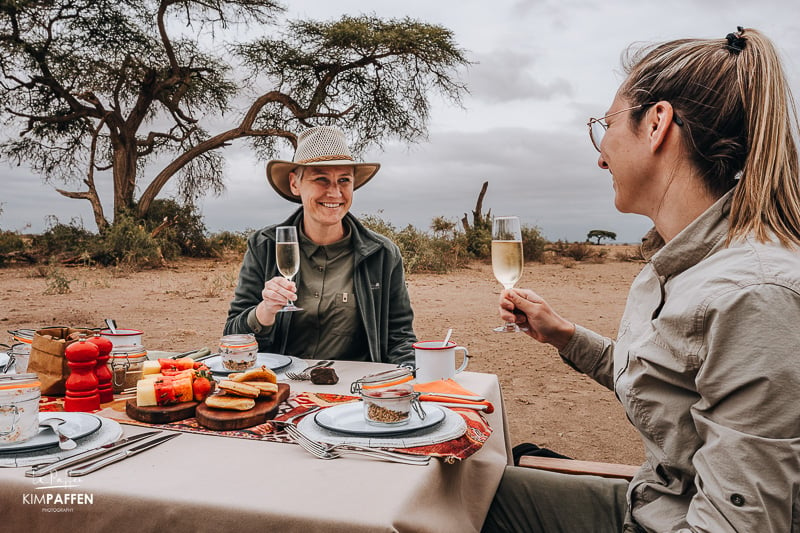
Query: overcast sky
x: 542, y: 67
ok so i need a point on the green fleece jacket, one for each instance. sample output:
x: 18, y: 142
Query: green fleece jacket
x: 383, y: 302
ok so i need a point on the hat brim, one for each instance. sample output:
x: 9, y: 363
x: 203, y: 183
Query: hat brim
x: 278, y: 174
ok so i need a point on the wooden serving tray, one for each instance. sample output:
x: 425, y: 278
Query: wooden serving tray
x: 160, y: 414
x: 224, y: 419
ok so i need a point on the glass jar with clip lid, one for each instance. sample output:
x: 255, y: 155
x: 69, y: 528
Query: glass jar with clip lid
x: 388, y: 397
x: 19, y: 407
x: 126, y: 363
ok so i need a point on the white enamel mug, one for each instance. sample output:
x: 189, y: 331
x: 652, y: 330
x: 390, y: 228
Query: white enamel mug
x: 435, y: 361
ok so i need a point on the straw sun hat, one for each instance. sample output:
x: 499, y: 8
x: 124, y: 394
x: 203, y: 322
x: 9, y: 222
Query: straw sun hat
x: 320, y: 146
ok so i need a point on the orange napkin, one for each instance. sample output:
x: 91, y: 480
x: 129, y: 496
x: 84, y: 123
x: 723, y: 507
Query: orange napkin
x: 449, y: 386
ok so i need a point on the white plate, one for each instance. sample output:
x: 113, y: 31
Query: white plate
x: 273, y: 361
x: 76, y: 425
x: 349, y: 418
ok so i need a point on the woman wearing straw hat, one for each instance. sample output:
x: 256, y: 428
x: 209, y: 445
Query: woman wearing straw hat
x: 350, y: 285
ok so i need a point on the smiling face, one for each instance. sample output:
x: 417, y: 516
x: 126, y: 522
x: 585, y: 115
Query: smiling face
x: 326, y: 193
x: 625, y: 153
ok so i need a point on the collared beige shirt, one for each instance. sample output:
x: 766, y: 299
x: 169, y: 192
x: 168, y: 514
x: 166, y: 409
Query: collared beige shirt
x: 329, y: 326
x: 707, y: 367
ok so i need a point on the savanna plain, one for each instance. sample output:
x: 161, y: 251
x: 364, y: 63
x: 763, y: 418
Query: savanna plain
x: 183, y: 306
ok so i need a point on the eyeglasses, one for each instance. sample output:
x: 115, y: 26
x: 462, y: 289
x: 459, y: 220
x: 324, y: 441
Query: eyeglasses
x: 598, y: 126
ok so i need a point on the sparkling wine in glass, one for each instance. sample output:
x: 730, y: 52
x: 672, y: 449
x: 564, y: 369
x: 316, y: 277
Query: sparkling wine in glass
x: 507, y: 258
x: 287, y: 256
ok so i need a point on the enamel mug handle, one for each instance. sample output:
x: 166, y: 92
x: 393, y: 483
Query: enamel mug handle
x: 466, y: 358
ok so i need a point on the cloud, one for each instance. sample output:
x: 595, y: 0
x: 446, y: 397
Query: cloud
x: 503, y: 76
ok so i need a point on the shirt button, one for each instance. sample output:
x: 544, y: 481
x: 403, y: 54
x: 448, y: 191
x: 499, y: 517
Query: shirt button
x: 316, y: 295
x: 737, y: 500
x: 320, y: 268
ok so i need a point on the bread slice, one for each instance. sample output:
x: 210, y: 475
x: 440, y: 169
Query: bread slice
x: 239, y: 389
x: 265, y: 388
x: 233, y: 403
x: 256, y: 374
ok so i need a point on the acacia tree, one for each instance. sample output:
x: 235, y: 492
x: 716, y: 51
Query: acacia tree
x: 98, y: 89
x: 601, y: 234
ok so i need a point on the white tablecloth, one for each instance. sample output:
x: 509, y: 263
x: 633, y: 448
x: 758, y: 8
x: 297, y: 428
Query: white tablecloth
x: 208, y: 483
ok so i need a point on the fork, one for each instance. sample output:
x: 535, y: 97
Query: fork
x: 334, y: 451
x: 305, y: 374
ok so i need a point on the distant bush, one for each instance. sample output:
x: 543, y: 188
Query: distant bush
x: 632, y: 256
x: 64, y: 240
x: 533, y: 244
x: 57, y: 281
x: 577, y: 251
x: 479, y: 239
x: 441, y: 253
x: 178, y: 227
x: 10, y: 243
x: 229, y: 241
x: 128, y: 242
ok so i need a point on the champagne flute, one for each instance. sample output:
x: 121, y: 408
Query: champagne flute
x: 287, y: 256
x: 507, y: 258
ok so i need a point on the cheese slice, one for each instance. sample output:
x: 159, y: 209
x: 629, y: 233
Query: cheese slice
x: 145, y: 393
x: 151, y: 367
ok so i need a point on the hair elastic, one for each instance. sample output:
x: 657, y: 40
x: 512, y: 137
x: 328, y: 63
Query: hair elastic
x: 736, y: 41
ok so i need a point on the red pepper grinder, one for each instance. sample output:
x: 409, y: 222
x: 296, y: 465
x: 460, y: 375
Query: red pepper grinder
x: 104, y: 388
x: 82, y: 382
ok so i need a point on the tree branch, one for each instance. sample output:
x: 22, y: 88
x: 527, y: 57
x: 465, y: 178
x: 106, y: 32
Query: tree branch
x: 220, y: 140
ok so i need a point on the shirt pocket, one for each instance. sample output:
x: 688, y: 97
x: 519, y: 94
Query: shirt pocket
x: 343, y: 318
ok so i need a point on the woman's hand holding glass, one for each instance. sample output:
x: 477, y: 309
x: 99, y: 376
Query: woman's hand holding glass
x: 535, y: 317
x: 276, y: 292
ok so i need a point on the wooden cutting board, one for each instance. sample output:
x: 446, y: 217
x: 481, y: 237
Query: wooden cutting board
x: 223, y: 419
x: 160, y: 414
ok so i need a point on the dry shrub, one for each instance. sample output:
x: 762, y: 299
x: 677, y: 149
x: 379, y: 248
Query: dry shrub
x: 629, y: 256
x: 578, y: 251
x: 567, y: 262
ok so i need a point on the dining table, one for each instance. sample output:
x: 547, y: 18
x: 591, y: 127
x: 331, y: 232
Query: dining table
x: 202, y: 482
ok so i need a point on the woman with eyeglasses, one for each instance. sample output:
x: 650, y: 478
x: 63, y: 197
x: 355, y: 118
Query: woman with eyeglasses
x: 700, y: 139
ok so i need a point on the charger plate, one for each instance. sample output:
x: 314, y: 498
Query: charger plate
x: 75, y: 426
x: 451, y: 427
x: 110, y: 430
x: 349, y: 418
x: 273, y: 361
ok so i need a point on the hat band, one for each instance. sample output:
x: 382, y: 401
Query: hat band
x: 324, y: 158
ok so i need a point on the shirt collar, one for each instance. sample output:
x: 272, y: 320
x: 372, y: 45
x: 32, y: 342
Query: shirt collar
x: 695, y: 242
x: 331, y: 250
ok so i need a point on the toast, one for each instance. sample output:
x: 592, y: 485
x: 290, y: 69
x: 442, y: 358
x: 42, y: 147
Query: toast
x: 234, y: 403
x: 239, y: 389
x: 262, y: 374
x: 265, y: 388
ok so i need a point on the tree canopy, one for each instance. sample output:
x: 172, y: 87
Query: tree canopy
x: 601, y: 234
x: 109, y: 89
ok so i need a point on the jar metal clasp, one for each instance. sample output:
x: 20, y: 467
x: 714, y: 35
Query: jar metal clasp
x: 4, y: 409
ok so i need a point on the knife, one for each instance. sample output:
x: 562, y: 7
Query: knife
x: 475, y: 398
x: 130, y: 452
x: 198, y: 352
x: 475, y: 406
x: 39, y: 471
x: 207, y: 356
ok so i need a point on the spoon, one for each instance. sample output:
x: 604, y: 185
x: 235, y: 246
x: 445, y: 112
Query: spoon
x: 447, y: 337
x: 64, y: 442
x: 112, y: 325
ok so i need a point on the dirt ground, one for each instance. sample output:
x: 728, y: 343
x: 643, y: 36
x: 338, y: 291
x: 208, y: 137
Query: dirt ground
x: 184, y: 306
